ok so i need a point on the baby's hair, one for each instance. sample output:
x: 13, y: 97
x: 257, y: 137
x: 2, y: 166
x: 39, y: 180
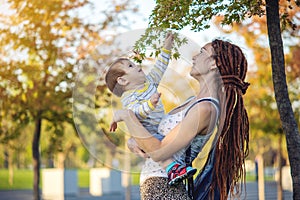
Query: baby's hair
x: 232, y: 145
x: 113, y: 73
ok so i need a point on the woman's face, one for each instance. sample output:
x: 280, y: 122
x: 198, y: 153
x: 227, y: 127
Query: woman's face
x: 203, y: 62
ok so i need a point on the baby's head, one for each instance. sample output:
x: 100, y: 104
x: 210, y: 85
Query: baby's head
x: 124, y: 75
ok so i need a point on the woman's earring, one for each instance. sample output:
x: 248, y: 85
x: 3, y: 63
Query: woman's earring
x: 214, y: 68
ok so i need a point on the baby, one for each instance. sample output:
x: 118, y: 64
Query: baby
x: 138, y: 93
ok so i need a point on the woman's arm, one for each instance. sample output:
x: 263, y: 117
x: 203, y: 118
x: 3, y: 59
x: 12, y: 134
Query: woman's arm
x: 196, y: 121
x: 134, y: 148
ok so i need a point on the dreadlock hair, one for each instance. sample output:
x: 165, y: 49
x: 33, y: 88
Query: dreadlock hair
x: 232, y: 145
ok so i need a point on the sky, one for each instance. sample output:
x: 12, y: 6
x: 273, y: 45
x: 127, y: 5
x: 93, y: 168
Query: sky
x: 201, y: 38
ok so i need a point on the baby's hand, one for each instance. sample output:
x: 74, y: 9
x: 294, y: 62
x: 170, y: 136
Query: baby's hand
x: 169, y: 41
x: 113, y: 126
x: 155, y: 98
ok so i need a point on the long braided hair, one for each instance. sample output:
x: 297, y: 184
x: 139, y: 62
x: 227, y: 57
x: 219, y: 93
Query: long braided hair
x: 232, y: 145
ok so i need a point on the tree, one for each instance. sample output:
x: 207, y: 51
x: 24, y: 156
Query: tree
x: 12, y: 121
x: 289, y: 124
x: 35, y: 34
x: 197, y: 15
x: 42, y: 44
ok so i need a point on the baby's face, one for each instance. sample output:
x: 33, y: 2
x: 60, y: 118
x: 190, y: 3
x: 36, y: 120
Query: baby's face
x: 133, y: 73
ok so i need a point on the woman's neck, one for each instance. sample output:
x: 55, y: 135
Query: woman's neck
x: 208, y: 87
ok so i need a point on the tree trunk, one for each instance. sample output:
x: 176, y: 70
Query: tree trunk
x: 5, y: 158
x: 279, y: 164
x: 60, y: 160
x: 10, y: 167
x: 287, y: 118
x: 36, y: 157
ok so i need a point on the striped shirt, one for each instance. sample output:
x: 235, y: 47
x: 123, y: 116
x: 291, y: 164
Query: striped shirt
x: 138, y: 100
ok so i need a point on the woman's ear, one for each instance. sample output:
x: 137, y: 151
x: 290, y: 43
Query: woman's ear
x: 122, y: 81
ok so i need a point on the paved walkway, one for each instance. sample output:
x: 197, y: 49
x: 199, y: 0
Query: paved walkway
x: 252, y: 194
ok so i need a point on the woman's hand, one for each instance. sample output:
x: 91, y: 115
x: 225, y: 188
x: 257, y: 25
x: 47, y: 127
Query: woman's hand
x: 119, y: 116
x: 134, y: 148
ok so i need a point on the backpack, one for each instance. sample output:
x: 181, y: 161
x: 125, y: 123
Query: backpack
x: 199, y: 189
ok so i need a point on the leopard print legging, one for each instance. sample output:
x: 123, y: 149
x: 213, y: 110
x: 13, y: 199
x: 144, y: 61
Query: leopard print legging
x: 157, y: 188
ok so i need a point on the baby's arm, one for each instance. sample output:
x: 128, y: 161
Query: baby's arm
x: 140, y: 109
x: 155, y: 75
x: 143, y: 108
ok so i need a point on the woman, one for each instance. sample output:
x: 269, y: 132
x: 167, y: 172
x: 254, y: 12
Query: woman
x: 220, y: 68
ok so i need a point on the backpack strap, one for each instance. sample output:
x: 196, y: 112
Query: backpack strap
x: 188, y: 160
x: 190, y: 181
x: 214, y: 101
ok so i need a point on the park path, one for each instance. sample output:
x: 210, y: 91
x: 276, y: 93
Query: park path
x: 252, y: 194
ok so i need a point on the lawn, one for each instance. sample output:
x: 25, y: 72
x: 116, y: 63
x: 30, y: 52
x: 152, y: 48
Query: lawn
x: 23, y: 179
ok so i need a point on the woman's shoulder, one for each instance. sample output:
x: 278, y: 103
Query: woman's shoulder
x: 204, y: 104
x: 199, y: 109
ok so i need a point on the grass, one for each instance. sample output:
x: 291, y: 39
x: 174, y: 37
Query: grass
x: 23, y: 179
x: 252, y: 178
x: 135, y: 179
x: 83, y: 178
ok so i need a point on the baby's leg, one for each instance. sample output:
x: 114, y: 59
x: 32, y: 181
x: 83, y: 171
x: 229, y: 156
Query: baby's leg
x: 177, y: 172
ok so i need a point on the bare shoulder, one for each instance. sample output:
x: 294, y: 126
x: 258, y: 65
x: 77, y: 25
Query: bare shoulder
x: 204, y: 109
x: 200, y: 116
